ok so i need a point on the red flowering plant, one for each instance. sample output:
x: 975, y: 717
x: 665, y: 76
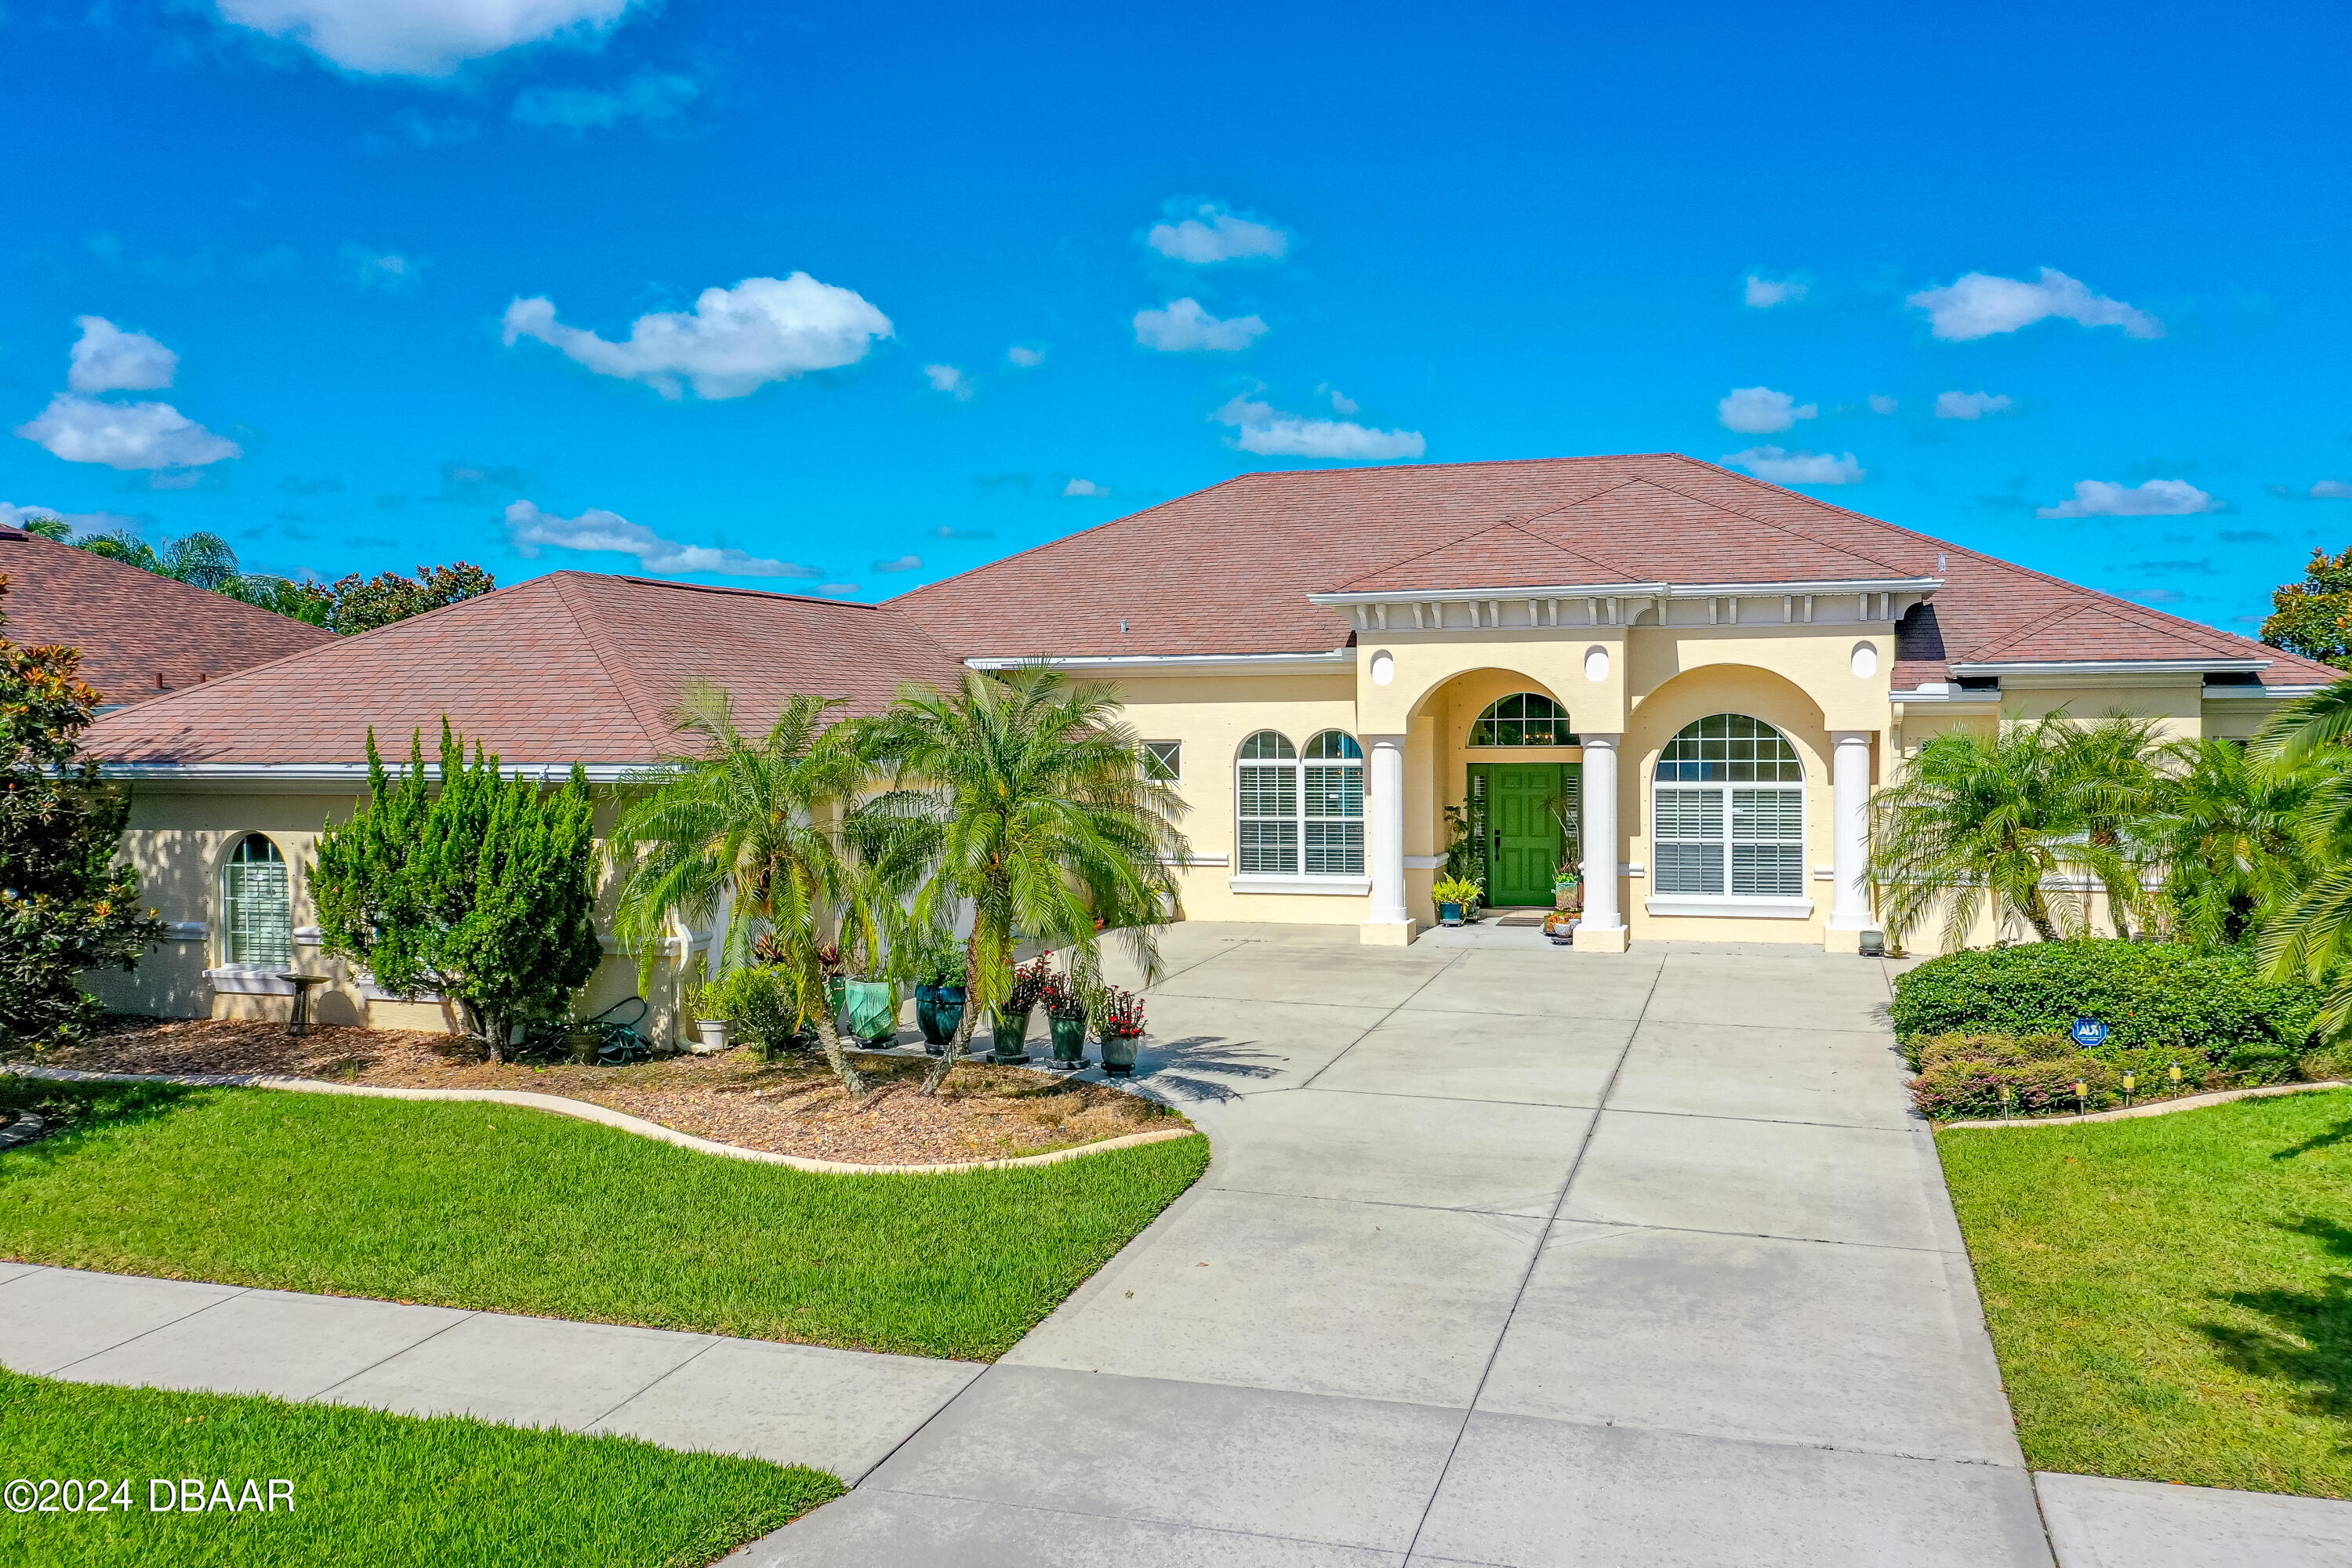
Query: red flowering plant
x: 1031, y: 984
x: 1063, y: 998
x: 1120, y: 1015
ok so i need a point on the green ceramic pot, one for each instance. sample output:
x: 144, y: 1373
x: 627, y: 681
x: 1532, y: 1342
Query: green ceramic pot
x: 939, y: 1010
x: 869, y: 1010
x: 1011, y: 1036
x: 1069, y: 1041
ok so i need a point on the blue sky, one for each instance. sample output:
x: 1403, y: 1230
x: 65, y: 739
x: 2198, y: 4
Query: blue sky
x: 982, y: 278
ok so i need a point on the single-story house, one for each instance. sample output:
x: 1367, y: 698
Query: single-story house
x: 1688, y: 679
x: 141, y: 635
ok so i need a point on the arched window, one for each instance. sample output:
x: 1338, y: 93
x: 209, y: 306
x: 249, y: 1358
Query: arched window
x: 1301, y: 814
x: 1522, y: 719
x: 1729, y: 818
x: 256, y: 906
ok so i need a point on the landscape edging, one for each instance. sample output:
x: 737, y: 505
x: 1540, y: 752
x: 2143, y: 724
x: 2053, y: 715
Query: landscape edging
x: 588, y: 1110
x: 2154, y: 1108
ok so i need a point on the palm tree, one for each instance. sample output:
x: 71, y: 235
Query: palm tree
x: 2231, y: 831
x: 753, y: 826
x: 2113, y: 771
x: 2312, y: 937
x: 1026, y: 799
x: 1981, y: 822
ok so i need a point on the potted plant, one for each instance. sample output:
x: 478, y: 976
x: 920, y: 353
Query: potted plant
x: 1457, y: 898
x: 1065, y: 1018
x: 1568, y: 887
x: 1119, y: 1023
x: 1011, y: 1020
x: 938, y: 991
x: 701, y: 1001
x: 1560, y: 926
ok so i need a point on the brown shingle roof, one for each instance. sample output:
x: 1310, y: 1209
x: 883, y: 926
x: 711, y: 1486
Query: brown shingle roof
x: 573, y: 666
x: 140, y: 634
x: 1228, y: 569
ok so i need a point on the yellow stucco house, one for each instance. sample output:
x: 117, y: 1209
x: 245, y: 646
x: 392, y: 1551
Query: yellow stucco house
x: 1687, y: 680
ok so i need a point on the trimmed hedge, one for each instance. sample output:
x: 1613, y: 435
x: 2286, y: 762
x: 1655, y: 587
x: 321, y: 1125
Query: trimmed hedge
x: 2156, y: 996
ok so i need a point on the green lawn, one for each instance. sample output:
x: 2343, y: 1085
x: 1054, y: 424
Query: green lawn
x: 367, y: 1489
x: 513, y: 1210
x: 2171, y: 1298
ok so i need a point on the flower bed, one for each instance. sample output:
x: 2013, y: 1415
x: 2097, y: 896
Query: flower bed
x: 789, y: 1106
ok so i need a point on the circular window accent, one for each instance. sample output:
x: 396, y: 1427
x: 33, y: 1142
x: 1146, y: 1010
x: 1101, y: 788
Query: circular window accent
x: 1596, y: 664
x: 1865, y: 660
x: 1383, y: 668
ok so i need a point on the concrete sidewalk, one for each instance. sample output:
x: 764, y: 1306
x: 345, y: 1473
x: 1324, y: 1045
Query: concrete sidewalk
x: 840, y: 1411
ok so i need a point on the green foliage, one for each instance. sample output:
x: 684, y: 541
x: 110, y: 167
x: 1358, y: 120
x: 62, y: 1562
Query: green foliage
x: 2314, y: 617
x: 758, y: 1001
x: 374, y: 1487
x: 2155, y: 994
x: 55, y: 529
x: 504, y: 1209
x: 753, y: 826
x: 1028, y: 798
x: 482, y: 890
x: 364, y: 604
x: 1465, y: 857
x: 2169, y: 1296
x: 1980, y: 824
x: 2232, y: 831
x: 1452, y: 890
x: 66, y: 904
x: 305, y: 602
x: 2312, y: 937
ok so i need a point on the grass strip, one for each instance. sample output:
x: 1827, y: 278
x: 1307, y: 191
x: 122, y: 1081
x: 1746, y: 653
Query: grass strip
x: 365, y: 1488
x: 2170, y: 1296
x: 507, y: 1209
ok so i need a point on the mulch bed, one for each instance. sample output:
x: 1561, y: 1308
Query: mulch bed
x: 794, y: 1107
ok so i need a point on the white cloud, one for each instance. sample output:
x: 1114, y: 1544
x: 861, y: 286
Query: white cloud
x: 903, y: 563
x: 14, y: 516
x: 1882, y: 404
x: 836, y: 589
x: 1759, y: 410
x: 1779, y: 468
x: 1183, y: 326
x: 1763, y: 293
x: 108, y: 358
x: 946, y: 378
x: 655, y: 97
x: 387, y: 271
x: 2156, y: 498
x: 1212, y: 234
x: 421, y: 130
x: 1978, y: 305
x: 531, y: 530
x: 1973, y: 404
x: 125, y: 435
x: 1274, y: 434
x: 421, y: 37
x: 1024, y: 358
x: 1078, y: 486
x: 1341, y: 404
x: 737, y: 339
x: 2332, y: 490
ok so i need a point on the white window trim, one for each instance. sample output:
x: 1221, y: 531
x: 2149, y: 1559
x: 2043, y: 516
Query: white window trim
x: 1727, y: 905
x: 1302, y: 880
x: 249, y: 980
x: 1339, y: 887
x: 1178, y: 777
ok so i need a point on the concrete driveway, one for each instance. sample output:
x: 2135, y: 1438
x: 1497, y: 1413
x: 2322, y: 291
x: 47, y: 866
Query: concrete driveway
x: 1508, y: 1255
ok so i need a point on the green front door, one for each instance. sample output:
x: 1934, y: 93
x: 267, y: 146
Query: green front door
x: 1524, y: 805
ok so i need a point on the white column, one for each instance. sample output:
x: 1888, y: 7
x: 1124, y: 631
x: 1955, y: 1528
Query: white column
x: 1600, y: 813
x: 1850, y: 792
x: 1384, y: 829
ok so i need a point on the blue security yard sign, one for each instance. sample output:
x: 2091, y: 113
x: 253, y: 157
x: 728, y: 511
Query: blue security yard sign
x: 2090, y: 1032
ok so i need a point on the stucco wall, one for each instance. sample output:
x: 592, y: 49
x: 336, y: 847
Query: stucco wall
x: 177, y: 841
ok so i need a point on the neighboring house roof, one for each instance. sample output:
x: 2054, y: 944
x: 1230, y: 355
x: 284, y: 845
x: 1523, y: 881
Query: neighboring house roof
x: 1228, y: 569
x: 140, y: 634
x: 571, y: 667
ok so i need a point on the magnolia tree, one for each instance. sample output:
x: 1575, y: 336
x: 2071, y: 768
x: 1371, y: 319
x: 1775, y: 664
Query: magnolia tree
x: 483, y: 889
x: 67, y: 903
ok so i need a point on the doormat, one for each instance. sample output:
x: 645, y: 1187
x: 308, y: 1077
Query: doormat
x: 1534, y: 920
